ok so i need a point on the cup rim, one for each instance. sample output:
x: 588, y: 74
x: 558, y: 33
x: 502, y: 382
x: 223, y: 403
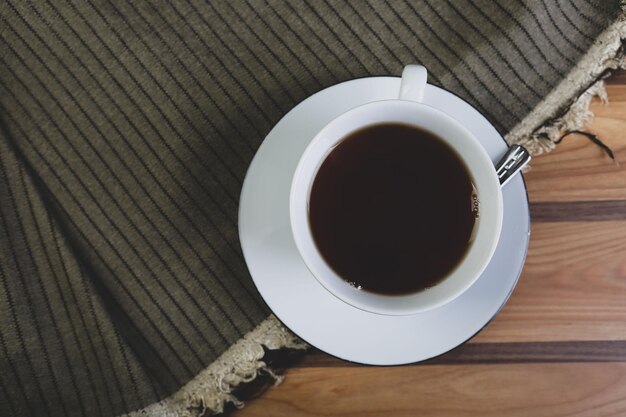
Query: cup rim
x: 383, y: 303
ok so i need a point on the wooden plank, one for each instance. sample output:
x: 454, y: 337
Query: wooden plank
x: 573, y: 286
x: 538, y: 390
x: 491, y: 353
x: 578, y: 170
x: 556, y: 211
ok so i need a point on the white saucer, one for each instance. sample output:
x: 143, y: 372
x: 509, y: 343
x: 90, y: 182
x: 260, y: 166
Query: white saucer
x: 308, y: 309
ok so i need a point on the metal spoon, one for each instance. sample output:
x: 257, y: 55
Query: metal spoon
x: 515, y: 158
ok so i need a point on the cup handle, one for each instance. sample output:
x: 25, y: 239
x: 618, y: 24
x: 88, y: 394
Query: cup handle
x: 413, y: 83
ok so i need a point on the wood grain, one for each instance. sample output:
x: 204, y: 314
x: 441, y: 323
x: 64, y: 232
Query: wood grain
x: 568, y: 211
x: 573, y: 286
x: 538, y: 390
x: 504, y: 353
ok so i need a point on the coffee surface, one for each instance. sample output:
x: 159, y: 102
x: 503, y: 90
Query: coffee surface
x: 391, y: 209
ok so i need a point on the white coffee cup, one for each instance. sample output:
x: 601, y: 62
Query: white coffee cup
x: 407, y: 109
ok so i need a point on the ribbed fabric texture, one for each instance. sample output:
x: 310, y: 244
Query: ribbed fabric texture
x: 126, y: 131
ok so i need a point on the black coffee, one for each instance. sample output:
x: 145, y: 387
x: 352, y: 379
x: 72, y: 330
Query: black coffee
x: 391, y: 209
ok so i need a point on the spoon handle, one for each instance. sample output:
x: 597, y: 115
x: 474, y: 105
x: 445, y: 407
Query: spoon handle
x: 515, y: 158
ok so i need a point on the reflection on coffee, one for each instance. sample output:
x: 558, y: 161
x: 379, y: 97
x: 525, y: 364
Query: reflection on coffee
x: 392, y: 209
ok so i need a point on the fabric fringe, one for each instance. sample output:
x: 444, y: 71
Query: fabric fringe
x: 212, y: 388
x: 543, y: 126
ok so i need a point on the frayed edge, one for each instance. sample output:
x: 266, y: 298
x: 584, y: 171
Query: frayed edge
x: 213, y: 387
x: 577, y: 116
x: 537, y: 133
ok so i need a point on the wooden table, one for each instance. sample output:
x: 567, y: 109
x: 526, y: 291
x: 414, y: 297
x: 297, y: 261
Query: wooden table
x: 558, y: 348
